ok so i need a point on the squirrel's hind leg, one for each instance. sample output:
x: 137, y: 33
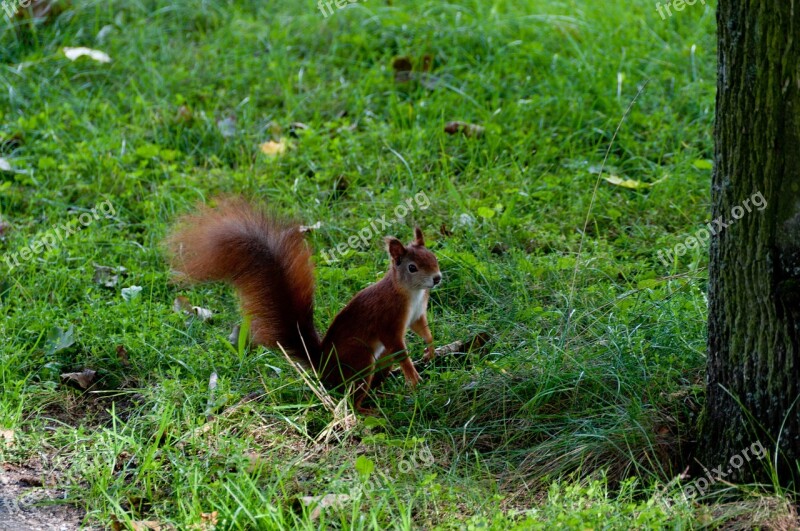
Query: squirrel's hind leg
x: 360, y: 393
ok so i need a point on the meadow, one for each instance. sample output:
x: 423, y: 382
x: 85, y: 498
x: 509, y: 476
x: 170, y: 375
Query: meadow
x: 586, y: 154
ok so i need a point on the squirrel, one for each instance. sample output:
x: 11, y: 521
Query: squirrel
x: 269, y: 263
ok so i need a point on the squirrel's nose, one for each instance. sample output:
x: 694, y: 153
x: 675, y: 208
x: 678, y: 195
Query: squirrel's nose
x: 437, y: 278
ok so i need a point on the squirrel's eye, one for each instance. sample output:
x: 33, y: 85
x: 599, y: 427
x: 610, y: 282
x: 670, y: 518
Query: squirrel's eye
x: 412, y: 268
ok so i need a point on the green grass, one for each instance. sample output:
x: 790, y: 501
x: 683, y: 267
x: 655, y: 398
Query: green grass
x: 584, y: 399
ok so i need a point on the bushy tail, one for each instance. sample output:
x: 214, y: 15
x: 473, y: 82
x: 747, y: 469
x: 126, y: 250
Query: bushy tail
x: 267, y: 260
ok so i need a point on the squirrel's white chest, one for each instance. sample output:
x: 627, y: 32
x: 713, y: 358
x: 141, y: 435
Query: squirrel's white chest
x: 416, y: 307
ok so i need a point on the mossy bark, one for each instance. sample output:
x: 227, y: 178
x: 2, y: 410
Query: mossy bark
x: 753, y: 374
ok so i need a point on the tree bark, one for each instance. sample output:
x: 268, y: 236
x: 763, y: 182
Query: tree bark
x: 753, y: 373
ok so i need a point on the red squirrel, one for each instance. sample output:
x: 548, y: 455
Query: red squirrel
x: 269, y: 263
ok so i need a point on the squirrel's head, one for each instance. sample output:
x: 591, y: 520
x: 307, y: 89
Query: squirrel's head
x: 415, y: 266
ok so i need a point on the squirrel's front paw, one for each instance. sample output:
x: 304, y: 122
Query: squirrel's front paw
x: 410, y: 372
x: 430, y: 353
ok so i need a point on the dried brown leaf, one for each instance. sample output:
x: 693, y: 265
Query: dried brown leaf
x: 320, y: 503
x: 182, y: 304
x: 7, y: 438
x: 208, y: 522
x: 469, y: 130
x: 402, y: 69
x: 84, y: 379
x: 108, y: 277
x: 151, y: 525
x: 122, y: 355
x: 474, y: 343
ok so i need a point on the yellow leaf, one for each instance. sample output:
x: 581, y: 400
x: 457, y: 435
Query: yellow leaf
x: 273, y: 149
x: 631, y: 183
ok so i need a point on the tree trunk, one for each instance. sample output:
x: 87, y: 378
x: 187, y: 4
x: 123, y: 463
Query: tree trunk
x: 753, y: 374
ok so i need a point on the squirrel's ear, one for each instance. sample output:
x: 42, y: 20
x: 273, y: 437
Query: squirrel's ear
x: 419, y: 238
x: 395, y: 248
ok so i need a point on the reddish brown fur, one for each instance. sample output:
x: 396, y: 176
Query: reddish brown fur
x: 269, y: 263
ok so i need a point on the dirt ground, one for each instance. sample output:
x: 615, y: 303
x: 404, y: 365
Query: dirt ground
x: 31, y: 501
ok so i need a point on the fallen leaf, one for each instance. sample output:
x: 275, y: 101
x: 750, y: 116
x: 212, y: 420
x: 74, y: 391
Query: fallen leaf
x: 122, y: 355
x: 273, y: 149
x: 208, y: 522
x: 469, y: 130
x: 210, y: 518
x: 319, y: 503
x: 402, y: 69
x: 74, y: 53
x: 630, y: 183
x: 108, y: 277
x: 202, y: 313
x: 152, y: 525
x: 227, y: 126
x: 4, y: 227
x: 444, y: 231
x: 182, y: 305
x: 84, y: 379
x: 309, y: 228
x: 131, y: 293
x: 59, y: 339
x: 7, y: 438
x: 474, y: 343
x: 233, y: 338
x: 5, y: 165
